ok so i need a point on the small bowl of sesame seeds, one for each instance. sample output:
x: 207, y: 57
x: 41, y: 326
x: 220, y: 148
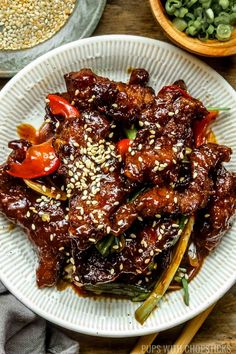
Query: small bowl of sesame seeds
x: 31, y: 28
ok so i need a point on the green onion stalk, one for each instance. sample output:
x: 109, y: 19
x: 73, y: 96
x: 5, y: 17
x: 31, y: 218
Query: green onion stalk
x: 162, y: 285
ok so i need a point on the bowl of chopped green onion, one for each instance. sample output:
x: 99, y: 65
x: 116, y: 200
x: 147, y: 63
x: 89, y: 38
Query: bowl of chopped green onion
x: 204, y: 27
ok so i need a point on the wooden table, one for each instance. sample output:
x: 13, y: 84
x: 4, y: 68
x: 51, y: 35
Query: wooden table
x: 218, y: 334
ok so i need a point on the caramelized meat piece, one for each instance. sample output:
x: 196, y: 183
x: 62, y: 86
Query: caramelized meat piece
x: 166, y: 200
x: 43, y: 220
x: 172, y: 101
x: 119, y: 101
x: 136, y: 258
x: 212, y: 222
x: 139, y: 77
x: 94, y: 183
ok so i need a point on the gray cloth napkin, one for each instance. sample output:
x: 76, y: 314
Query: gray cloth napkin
x: 23, y: 332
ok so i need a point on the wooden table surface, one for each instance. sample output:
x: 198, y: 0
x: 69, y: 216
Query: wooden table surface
x: 218, y: 334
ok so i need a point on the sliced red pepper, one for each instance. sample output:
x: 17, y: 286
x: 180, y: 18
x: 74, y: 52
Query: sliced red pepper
x: 60, y: 106
x: 201, y: 126
x: 40, y: 160
x: 122, y: 146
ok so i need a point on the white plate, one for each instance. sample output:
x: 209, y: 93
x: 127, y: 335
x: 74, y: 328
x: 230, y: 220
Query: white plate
x: 22, y: 99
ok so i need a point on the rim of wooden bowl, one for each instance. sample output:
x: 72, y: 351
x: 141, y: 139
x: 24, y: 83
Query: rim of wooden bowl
x: 210, y: 48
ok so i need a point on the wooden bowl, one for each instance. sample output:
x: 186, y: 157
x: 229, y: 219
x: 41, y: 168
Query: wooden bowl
x: 210, y: 48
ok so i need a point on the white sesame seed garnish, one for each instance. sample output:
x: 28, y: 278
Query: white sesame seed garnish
x: 92, y: 240
x: 61, y: 248
x: 112, y: 271
x: 140, y: 123
x: 147, y: 261
x: 33, y: 227
x: 206, y: 215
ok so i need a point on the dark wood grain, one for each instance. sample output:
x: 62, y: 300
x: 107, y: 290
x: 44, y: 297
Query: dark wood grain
x: 218, y: 334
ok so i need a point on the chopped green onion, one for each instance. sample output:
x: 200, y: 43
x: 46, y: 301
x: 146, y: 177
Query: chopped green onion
x: 110, y: 244
x: 182, y: 12
x: 203, y: 19
x: 223, y: 32
x: 180, y: 24
x: 218, y: 109
x: 186, y: 291
x: 128, y: 290
x: 131, y: 133
x: 210, y: 14
x: 172, y: 5
x: 143, y: 312
x: 224, y: 4
x: 210, y: 30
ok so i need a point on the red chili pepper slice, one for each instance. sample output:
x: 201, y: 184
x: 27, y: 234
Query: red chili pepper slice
x: 122, y: 146
x: 60, y: 106
x: 201, y: 126
x: 40, y: 160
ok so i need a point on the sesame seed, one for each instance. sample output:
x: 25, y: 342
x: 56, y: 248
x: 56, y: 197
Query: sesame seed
x: 140, y: 123
x: 138, y: 271
x: 121, y: 266
x: 140, y: 159
x: 175, y: 200
x: 51, y: 237
x: 140, y: 250
x: 92, y: 240
x: 108, y: 229
x: 120, y: 222
x: 206, y: 215
x: 171, y: 114
x: 115, y: 247
x: 147, y: 261
x: 61, y: 248
x: 195, y: 174
x: 28, y: 214
x: 112, y: 271
x: 33, y: 227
